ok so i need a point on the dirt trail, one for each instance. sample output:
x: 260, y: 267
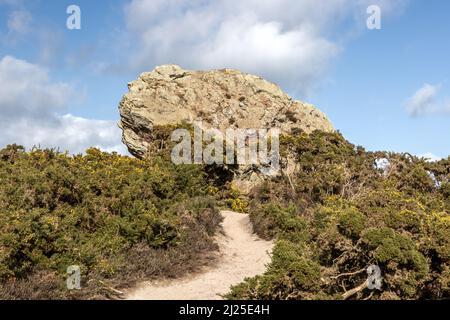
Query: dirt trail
x: 242, y: 255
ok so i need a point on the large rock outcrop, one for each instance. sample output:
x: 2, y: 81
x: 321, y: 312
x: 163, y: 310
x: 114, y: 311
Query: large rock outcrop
x: 219, y: 98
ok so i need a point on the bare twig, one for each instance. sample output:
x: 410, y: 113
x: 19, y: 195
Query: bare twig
x: 120, y: 293
x: 289, y: 179
x: 348, y: 274
x: 354, y: 291
x: 370, y: 296
x: 343, y: 286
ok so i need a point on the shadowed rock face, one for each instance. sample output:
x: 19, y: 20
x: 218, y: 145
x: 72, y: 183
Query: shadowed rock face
x: 219, y: 98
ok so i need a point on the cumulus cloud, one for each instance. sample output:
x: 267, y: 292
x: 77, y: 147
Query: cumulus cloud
x: 26, y: 91
x: 426, y: 101
x: 67, y: 132
x: 287, y: 41
x: 33, y: 112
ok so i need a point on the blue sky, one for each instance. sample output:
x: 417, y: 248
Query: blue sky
x: 385, y: 89
x: 380, y: 70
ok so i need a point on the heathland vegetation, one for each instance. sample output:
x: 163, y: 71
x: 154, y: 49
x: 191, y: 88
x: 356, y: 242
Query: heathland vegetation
x: 339, y: 213
x: 118, y: 218
x: 122, y: 220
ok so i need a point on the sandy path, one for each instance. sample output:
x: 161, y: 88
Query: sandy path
x: 242, y: 255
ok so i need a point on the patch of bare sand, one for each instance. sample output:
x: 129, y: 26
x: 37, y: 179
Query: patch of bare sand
x: 242, y: 254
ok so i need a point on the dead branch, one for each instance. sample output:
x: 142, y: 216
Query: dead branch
x: 369, y: 297
x: 347, y: 274
x: 115, y: 291
x: 289, y: 179
x: 354, y: 291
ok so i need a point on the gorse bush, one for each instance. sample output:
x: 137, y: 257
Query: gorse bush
x: 338, y: 213
x: 95, y: 211
x: 334, y: 212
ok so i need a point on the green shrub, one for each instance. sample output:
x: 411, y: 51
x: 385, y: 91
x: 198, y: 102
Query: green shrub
x: 92, y: 210
x: 346, y: 215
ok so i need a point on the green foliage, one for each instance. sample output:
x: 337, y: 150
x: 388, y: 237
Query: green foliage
x: 292, y: 274
x: 346, y: 214
x: 90, y: 210
x: 351, y: 222
x: 121, y: 218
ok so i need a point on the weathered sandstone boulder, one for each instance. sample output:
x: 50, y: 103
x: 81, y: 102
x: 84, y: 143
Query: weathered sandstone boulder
x: 220, y: 99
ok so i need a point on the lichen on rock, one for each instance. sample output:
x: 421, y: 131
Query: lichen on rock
x: 221, y: 99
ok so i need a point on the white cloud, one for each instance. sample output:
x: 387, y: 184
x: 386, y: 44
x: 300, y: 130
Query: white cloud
x: 422, y: 100
x: 19, y: 21
x: 33, y: 108
x: 290, y: 42
x: 425, y: 101
x: 430, y: 157
x: 26, y: 91
x: 66, y: 132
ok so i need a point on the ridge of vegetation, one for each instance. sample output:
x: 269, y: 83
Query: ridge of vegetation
x: 122, y: 220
